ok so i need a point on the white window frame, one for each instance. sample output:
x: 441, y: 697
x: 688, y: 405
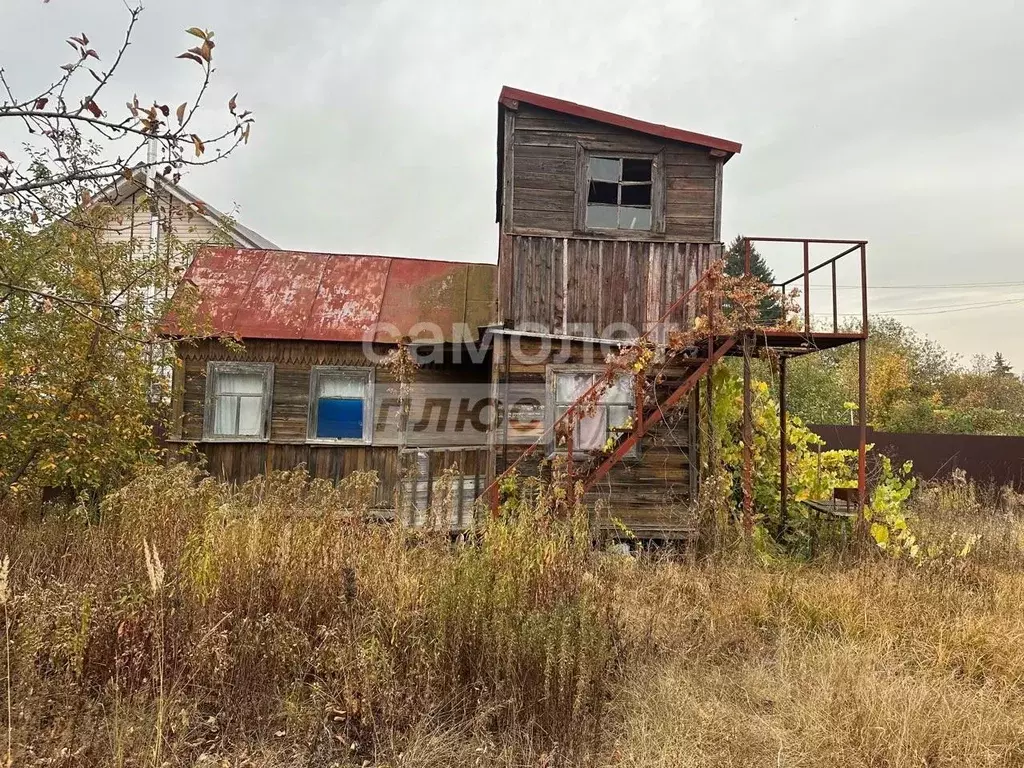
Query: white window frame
x: 365, y: 373
x: 216, y: 367
x: 551, y: 410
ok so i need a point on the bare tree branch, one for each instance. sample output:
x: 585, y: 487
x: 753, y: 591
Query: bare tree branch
x: 61, y: 159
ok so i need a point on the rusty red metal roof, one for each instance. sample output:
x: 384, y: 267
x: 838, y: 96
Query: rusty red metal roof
x: 334, y: 297
x: 512, y: 97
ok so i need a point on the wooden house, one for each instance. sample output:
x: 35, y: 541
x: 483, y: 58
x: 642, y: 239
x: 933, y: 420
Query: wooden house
x: 310, y: 384
x: 179, y: 215
x: 608, y: 226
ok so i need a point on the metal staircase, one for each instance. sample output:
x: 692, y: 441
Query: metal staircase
x: 648, y: 417
x: 644, y: 417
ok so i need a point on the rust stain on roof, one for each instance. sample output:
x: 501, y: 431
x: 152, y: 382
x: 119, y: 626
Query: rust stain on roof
x: 337, y: 297
x: 279, y: 298
x: 422, y: 295
x: 349, y: 299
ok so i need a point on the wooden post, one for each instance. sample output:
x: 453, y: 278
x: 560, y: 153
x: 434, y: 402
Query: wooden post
x: 709, y: 408
x: 570, y: 489
x: 748, y: 442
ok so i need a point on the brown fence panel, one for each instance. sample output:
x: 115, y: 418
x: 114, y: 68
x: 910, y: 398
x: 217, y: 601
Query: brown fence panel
x: 984, y: 458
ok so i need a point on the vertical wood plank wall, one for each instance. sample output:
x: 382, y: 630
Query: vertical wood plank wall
x: 541, y: 163
x: 586, y: 286
x: 287, y: 446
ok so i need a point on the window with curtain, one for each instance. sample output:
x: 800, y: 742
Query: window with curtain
x: 340, y: 404
x: 613, y: 411
x: 238, y: 400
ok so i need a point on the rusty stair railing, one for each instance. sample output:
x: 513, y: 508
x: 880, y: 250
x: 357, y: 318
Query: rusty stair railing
x: 646, y: 421
x: 491, y: 493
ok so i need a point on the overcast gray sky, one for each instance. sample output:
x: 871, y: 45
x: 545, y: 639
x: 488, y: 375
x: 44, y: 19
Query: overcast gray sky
x: 899, y: 121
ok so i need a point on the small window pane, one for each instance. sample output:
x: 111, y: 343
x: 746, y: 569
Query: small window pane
x: 604, y: 169
x: 339, y: 418
x: 569, y: 386
x: 603, y: 192
x: 226, y: 409
x: 340, y: 404
x: 342, y: 386
x: 636, y: 194
x: 618, y: 417
x: 250, y: 416
x: 636, y: 170
x: 634, y: 218
x: 238, y: 403
x: 621, y: 391
x: 240, y: 383
x: 591, y: 432
x: 602, y: 216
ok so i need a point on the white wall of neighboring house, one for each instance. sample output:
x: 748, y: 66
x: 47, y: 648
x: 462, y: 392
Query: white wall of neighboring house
x: 177, y: 224
x: 184, y: 222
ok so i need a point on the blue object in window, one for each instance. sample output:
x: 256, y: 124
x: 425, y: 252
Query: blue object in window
x: 339, y: 418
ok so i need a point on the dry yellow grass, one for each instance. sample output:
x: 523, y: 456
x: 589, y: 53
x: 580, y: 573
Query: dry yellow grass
x: 286, y: 631
x: 874, y: 665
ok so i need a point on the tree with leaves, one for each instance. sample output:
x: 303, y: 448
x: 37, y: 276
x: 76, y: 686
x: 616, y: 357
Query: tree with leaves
x: 80, y: 356
x: 76, y: 145
x: 735, y: 266
x: 1000, y: 367
x: 79, y: 359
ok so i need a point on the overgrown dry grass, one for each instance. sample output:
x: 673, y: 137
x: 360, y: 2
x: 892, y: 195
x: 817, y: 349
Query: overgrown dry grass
x: 285, y: 630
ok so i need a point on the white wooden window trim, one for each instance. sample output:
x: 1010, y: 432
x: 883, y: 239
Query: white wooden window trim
x: 215, y: 369
x: 365, y: 374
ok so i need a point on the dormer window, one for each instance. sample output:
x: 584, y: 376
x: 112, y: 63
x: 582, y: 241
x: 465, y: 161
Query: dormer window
x: 621, y: 192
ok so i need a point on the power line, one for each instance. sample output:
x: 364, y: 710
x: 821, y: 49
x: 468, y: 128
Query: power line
x: 909, y: 312
x: 937, y: 310
x: 919, y: 287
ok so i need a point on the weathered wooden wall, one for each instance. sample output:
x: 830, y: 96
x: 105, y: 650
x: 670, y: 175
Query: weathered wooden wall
x: 648, y: 493
x: 568, y: 284
x: 287, y: 446
x: 541, y: 166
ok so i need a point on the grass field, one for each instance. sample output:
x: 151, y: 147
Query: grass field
x: 190, y: 624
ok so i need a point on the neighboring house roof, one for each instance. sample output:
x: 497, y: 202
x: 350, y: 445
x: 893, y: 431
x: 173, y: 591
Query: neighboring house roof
x: 241, y: 235
x: 244, y: 236
x: 511, y: 98
x: 265, y: 294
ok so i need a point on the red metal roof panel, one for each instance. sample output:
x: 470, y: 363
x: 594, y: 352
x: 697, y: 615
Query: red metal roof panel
x: 424, y: 300
x: 349, y: 300
x: 280, y: 296
x: 336, y: 297
x: 222, y: 277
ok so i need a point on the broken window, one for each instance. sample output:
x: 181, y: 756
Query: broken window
x: 620, y: 191
x: 340, y: 400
